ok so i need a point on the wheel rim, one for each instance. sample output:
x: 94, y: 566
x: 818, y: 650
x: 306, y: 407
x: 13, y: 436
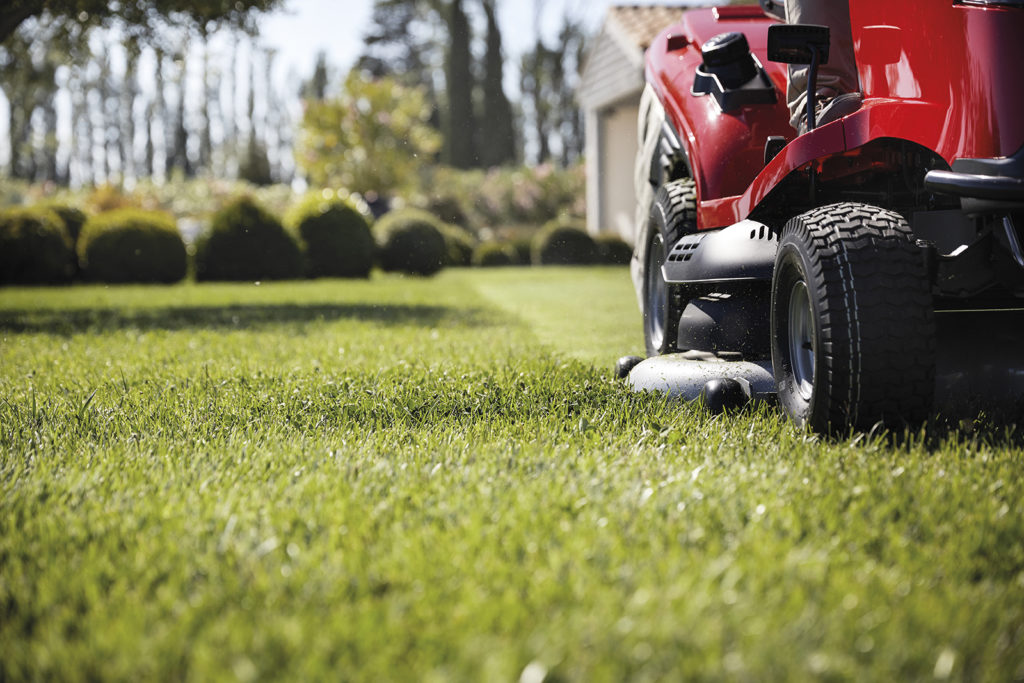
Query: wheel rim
x: 657, y: 292
x: 801, y: 339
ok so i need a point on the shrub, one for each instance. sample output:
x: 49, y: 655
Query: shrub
x: 35, y: 247
x: 564, y: 243
x: 246, y: 242
x: 523, y: 247
x: 459, y: 245
x: 448, y: 208
x: 132, y: 245
x: 108, y: 197
x: 411, y: 241
x: 490, y: 254
x: 73, y: 218
x: 613, y: 250
x: 336, y: 237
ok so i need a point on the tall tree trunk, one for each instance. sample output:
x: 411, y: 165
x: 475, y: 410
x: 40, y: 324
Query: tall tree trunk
x: 105, y: 125
x: 161, y: 114
x: 231, y: 115
x: 129, y: 94
x: 497, y: 133
x: 459, y: 150
x: 270, y: 127
x: 48, y: 150
x: 13, y: 133
x: 205, y: 141
x: 179, y: 132
x: 150, y: 151
x: 88, y: 137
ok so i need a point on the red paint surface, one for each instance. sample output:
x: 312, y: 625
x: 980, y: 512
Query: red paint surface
x: 946, y: 76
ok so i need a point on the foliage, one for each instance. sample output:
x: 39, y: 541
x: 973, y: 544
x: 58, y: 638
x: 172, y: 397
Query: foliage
x: 503, y: 196
x: 254, y: 166
x: 497, y: 136
x: 132, y: 245
x: 139, y: 15
x: 448, y: 206
x: 335, y: 234
x: 35, y: 247
x: 549, y: 78
x: 109, y: 197
x: 373, y: 138
x: 411, y: 241
x: 201, y: 198
x: 489, y: 254
x: 523, y: 246
x: 444, y: 481
x: 459, y: 245
x: 247, y: 242
x: 459, y: 120
x: 564, y: 243
x: 72, y: 217
x: 613, y: 250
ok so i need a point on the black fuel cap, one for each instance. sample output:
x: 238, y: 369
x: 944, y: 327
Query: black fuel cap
x: 725, y: 48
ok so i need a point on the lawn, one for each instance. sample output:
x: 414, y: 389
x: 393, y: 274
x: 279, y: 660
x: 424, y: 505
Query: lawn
x: 441, y: 480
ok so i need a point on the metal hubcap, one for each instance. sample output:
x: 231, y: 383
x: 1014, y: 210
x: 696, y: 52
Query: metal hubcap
x: 657, y: 291
x: 801, y: 339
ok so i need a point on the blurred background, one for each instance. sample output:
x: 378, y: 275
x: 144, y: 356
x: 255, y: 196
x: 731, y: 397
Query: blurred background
x: 480, y: 112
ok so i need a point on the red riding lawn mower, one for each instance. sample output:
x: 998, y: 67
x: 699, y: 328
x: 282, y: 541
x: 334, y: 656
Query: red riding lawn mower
x: 869, y: 270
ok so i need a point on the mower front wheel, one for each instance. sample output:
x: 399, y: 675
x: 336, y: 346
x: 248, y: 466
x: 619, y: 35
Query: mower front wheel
x: 852, y: 322
x: 673, y: 214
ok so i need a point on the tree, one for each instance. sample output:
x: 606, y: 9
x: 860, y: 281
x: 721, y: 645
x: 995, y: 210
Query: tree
x: 316, y: 87
x: 373, y: 138
x: 549, y: 77
x: 139, y: 14
x: 254, y: 165
x: 534, y: 84
x: 177, y: 152
x: 497, y: 127
x: 573, y: 42
x: 398, y: 43
x: 459, y: 124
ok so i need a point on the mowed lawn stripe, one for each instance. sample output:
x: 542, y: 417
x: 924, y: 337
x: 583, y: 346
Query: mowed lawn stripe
x: 401, y: 479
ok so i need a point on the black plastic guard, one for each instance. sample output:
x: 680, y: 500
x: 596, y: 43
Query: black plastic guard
x: 758, y: 90
x: 982, y: 184
x: 739, y: 253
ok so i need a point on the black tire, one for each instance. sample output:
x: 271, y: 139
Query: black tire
x: 852, y: 320
x: 673, y: 214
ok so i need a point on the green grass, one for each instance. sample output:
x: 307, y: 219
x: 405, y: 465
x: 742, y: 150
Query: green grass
x: 439, y: 479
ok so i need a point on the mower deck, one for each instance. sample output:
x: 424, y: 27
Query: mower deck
x: 979, y: 366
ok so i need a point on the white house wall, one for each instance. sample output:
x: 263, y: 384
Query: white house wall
x: 619, y: 148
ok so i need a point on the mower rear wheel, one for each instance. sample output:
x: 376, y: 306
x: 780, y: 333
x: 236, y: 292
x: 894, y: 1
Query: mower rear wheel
x: 852, y: 322
x: 673, y: 214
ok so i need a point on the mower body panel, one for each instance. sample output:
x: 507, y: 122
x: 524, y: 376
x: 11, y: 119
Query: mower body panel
x: 952, y: 89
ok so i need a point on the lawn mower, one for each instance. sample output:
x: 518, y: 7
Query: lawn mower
x: 869, y: 270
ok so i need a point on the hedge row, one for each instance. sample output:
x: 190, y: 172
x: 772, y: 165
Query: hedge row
x: 560, y: 243
x: 325, y: 235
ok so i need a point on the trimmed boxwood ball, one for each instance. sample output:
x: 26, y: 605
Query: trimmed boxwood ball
x: 247, y: 242
x: 73, y: 218
x: 613, y: 250
x: 335, y: 234
x: 460, y: 245
x: 35, y: 247
x: 491, y: 254
x: 411, y: 241
x: 523, y: 247
x: 564, y: 243
x: 132, y: 245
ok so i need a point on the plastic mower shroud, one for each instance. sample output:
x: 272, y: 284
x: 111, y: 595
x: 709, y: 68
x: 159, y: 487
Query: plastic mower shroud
x: 874, y: 264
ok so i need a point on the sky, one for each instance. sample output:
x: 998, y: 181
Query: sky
x: 306, y: 26
x: 302, y: 28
